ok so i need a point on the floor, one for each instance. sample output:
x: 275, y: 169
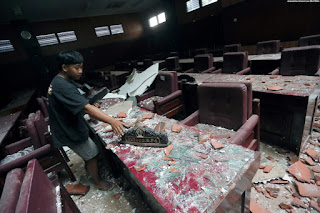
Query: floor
x: 124, y: 198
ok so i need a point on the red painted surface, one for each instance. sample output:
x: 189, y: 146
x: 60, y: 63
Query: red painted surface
x: 187, y: 182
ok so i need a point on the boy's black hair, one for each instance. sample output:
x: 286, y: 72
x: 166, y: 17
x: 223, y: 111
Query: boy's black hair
x: 69, y: 57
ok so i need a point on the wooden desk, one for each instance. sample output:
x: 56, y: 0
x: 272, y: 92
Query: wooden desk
x: 220, y: 183
x: 262, y: 64
x: 22, y: 103
x: 286, y: 115
x: 6, y: 124
x: 265, y: 57
x: 268, y: 57
x: 19, y: 101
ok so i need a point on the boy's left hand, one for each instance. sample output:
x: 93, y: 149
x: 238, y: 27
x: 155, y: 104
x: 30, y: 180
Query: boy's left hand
x: 117, y: 127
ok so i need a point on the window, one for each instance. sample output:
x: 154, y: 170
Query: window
x: 5, y: 46
x: 153, y: 21
x: 192, y: 5
x: 45, y: 40
x: 67, y: 36
x: 161, y: 18
x: 116, y: 29
x: 102, y: 31
x: 206, y: 2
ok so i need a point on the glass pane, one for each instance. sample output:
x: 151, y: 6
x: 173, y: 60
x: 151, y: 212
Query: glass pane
x: 206, y: 2
x: 45, y: 40
x: 153, y: 21
x: 5, y: 46
x: 161, y: 18
x: 67, y: 36
x: 102, y: 31
x: 116, y: 29
x: 192, y: 5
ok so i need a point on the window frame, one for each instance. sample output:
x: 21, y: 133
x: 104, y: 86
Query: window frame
x: 6, y: 46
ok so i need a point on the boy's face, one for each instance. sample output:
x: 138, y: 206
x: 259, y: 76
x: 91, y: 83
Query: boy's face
x: 73, y: 71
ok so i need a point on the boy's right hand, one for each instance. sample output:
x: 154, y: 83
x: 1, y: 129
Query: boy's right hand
x: 117, y: 127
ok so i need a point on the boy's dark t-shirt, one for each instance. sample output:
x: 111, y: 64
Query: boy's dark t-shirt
x: 65, y: 112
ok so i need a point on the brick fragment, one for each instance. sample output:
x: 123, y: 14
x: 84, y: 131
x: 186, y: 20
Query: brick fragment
x: 267, y: 169
x: 285, y: 205
x: 298, y: 203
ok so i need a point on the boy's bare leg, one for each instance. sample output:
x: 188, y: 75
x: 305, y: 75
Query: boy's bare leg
x: 92, y: 166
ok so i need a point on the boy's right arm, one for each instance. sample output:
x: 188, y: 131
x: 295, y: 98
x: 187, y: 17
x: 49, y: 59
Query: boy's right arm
x: 98, y: 114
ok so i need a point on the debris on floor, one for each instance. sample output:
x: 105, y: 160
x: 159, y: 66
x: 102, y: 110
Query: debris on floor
x: 292, y: 185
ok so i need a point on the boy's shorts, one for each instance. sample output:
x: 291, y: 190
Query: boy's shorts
x: 86, y: 150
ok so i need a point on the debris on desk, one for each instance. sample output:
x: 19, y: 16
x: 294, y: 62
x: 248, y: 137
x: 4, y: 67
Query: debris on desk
x: 139, y: 168
x: 166, y: 158
x: 267, y: 169
x: 138, y: 83
x: 114, y: 110
x: 174, y: 170
x: 161, y: 126
x: 180, y: 163
x: 275, y: 88
x: 203, y: 138
x: 109, y: 146
x: 122, y: 115
x: 216, y: 144
x: 171, y: 162
x: 147, y: 116
x: 176, y: 128
x: 168, y: 149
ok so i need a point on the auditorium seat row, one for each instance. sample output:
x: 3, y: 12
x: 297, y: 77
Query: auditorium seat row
x: 294, y: 61
x: 263, y: 47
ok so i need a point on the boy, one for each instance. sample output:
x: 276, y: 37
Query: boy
x: 66, y: 109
